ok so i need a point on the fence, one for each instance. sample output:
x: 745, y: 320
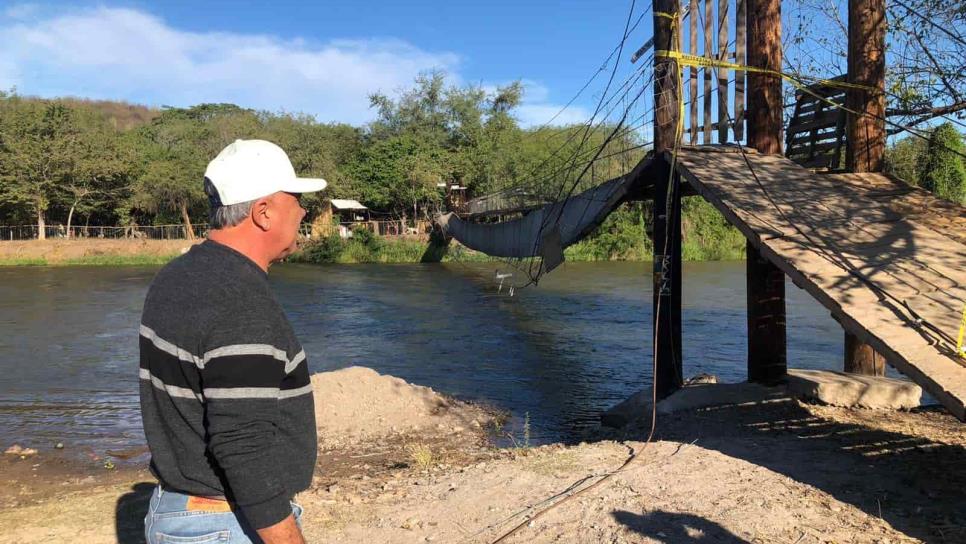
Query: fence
x: 177, y: 232
x: 143, y: 232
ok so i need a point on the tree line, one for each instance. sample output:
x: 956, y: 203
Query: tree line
x: 73, y: 162
x: 76, y: 162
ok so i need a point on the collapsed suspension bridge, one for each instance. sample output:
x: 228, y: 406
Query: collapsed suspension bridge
x: 887, y: 260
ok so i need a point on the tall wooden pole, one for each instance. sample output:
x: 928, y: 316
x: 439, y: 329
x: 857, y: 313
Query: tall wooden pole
x: 767, y: 360
x: 865, y: 134
x: 667, y: 203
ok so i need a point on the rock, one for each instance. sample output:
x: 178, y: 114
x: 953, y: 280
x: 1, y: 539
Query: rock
x: 701, y: 378
x: 59, y: 445
x: 410, y: 524
x: 850, y: 390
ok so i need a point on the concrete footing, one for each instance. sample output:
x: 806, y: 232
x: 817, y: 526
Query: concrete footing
x: 859, y: 390
x: 835, y: 388
x: 690, y: 397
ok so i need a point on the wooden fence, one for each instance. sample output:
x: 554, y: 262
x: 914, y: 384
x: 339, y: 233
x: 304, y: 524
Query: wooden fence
x: 716, y: 31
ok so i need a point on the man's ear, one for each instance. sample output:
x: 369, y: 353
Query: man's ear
x: 261, y: 214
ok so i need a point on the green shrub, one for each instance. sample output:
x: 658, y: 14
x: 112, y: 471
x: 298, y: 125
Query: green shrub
x: 941, y: 168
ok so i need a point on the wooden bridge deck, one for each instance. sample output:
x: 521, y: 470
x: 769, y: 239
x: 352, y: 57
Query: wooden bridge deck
x: 887, y: 260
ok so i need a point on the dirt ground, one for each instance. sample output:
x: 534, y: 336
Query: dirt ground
x: 59, y: 250
x: 780, y: 472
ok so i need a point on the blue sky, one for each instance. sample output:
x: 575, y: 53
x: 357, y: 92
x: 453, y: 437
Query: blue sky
x: 321, y: 58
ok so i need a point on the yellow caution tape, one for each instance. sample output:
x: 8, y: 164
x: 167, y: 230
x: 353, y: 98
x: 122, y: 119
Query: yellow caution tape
x: 960, y: 348
x: 705, y: 62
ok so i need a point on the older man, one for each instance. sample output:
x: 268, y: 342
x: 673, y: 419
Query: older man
x: 225, y: 393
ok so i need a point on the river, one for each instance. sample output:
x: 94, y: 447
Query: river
x: 559, y: 352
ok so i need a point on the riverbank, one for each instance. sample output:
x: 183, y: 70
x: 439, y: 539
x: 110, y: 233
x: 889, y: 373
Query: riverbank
x: 90, y: 252
x: 397, y: 250
x: 402, y: 463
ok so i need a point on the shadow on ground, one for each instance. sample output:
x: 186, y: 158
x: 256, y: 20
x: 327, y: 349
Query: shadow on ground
x: 914, y: 483
x: 676, y: 528
x: 130, y: 511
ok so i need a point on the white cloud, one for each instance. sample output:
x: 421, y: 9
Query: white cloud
x: 535, y: 110
x: 119, y: 53
x: 127, y: 54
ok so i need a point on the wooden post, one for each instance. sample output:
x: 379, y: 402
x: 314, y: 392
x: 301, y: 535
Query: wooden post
x: 860, y: 358
x: 723, y: 72
x: 740, y: 26
x: 865, y: 134
x: 667, y: 204
x: 767, y: 360
x: 693, y: 82
x: 766, y: 318
x: 709, y: 49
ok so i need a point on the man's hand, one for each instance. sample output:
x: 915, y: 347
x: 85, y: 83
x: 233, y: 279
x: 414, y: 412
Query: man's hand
x: 283, y: 532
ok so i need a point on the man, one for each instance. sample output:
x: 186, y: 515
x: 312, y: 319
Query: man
x: 226, y: 399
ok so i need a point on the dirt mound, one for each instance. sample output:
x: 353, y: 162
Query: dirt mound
x: 358, y: 403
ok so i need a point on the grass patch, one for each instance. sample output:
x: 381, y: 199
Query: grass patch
x: 562, y: 462
x: 93, y: 260
x: 421, y: 456
x: 117, y: 260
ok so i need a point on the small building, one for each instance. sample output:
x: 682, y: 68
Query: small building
x: 349, y: 211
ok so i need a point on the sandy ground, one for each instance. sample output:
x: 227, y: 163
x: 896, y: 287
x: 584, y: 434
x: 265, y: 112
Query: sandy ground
x: 54, y: 251
x: 783, y: 472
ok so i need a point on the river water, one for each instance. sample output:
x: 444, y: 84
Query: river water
x: 559, y: 352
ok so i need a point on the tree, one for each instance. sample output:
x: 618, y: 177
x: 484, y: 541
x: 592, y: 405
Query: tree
x: 40, y: 154
x: 925, y: 54
x: 941, y: 168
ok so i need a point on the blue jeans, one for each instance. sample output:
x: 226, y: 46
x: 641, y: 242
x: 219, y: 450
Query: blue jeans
x: 169, y: 521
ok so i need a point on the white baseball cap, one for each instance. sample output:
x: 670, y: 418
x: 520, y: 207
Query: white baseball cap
x: 251, y: 169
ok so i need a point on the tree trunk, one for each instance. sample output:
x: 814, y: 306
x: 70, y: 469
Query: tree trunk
x: 41, y: 224
x: 187, y: 222
x: 70, y: 215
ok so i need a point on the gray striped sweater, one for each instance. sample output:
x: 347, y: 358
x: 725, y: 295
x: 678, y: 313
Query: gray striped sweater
x: 226, y: 399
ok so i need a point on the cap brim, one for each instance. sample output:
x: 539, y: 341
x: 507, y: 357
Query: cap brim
x: 305, y: 185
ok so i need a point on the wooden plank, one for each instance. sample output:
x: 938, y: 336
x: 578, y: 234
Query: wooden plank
x: 914, y: 268
x: 723, y: 72
x: 819, y: 147
x: 708, y: 53
x: 740, y: 37
x: 822, y: 135
x: 693, y: 83
x: 826, y: 120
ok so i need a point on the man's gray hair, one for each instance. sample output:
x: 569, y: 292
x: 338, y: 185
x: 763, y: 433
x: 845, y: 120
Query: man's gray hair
x: 221, y: 217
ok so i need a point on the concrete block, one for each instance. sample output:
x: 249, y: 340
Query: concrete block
x: 844, y: 389
x: 694, y: 397
x: 690, y: 397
